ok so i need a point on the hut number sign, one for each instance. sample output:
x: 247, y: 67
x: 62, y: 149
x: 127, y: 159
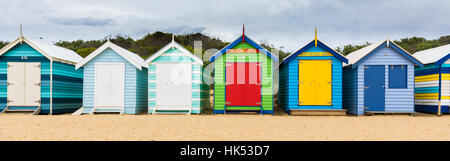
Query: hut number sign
x: 315, y: 54
x: 208, y: 152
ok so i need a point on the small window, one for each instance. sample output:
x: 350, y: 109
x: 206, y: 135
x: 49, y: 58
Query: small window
x: 398, y: 76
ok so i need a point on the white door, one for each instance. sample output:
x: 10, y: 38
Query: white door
x: 174, y: 86
x: 109, y: 85
x: 32, y: 84
x: 24, y: 87
x: 16, y: 81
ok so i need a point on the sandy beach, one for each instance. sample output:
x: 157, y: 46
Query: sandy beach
x: 223, y: 127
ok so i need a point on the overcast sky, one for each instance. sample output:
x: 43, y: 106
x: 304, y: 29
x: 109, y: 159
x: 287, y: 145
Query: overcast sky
x: 288, y: 23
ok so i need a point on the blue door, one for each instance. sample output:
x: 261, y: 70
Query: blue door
x: 374, y: 88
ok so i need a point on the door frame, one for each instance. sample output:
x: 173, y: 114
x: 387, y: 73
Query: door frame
x: 156, y: 80
x: 95, y: 80
x: 40, y: 82
x: 298, y: 80
x: 260, y: 64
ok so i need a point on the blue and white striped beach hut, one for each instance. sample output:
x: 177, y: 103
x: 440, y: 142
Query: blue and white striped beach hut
x: 115, y: 80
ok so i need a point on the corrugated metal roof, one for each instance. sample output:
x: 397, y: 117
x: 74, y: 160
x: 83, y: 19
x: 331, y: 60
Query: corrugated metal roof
x: 357, y: 55
x: 433, y: 55
x: 57, y: 51
x: 131, y: 57
x: 50, y: 51
x: 131, y: 54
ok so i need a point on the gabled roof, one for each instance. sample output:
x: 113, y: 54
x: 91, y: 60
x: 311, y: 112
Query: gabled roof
x: 51, y: 52
x: 312, y: 44
x: 358, y: 56
x: 237, y: 41
x: 436, y: 55
x: 131, y: 57
x: 174, y: 44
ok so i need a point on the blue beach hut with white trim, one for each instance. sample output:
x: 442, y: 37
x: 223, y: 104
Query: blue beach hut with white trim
x: 39, y: 78
x: 175, y: 81
x: 379, y: 78
x: 115, y: 81
x: 432, y: 93
x: 311, y: 81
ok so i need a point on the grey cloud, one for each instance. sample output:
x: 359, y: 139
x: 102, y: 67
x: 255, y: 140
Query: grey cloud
x: 287, y: 23
x: 82, y: 21
x: 184, y: 29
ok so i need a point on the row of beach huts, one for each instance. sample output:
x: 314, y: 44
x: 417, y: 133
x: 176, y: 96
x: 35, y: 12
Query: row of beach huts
x: 315, y: 80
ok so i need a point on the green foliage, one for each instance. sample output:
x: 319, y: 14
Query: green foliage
x: 412, y: 45
x: 416, y: 44
x: 83, y: 52
x: 347, y: 49
x: 146, y: 46
x: 281, y: 54
x: 151, y: 43
x: 3, y: 44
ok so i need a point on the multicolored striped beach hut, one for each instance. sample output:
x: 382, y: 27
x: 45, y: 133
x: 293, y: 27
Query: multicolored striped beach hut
x: 243, y: 77
x: 432, y: 92
x: 39, y: 78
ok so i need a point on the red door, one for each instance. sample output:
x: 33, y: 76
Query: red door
x: 243, y: 84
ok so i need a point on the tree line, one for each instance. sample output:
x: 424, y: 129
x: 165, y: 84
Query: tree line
x: 152, y: 42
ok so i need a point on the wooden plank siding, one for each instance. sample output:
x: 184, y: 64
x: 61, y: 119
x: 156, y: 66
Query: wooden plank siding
x: 67, y: 90
x: 429, y: 86
x: 350, y: 90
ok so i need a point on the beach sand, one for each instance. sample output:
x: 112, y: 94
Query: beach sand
x: 223, y: 127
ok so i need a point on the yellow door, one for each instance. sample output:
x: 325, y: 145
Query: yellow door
x: 314, y: 82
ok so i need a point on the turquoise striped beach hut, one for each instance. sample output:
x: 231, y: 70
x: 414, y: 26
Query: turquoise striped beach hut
x: 39, y: 78
x: 175, y: 81
x: 115, y: 81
